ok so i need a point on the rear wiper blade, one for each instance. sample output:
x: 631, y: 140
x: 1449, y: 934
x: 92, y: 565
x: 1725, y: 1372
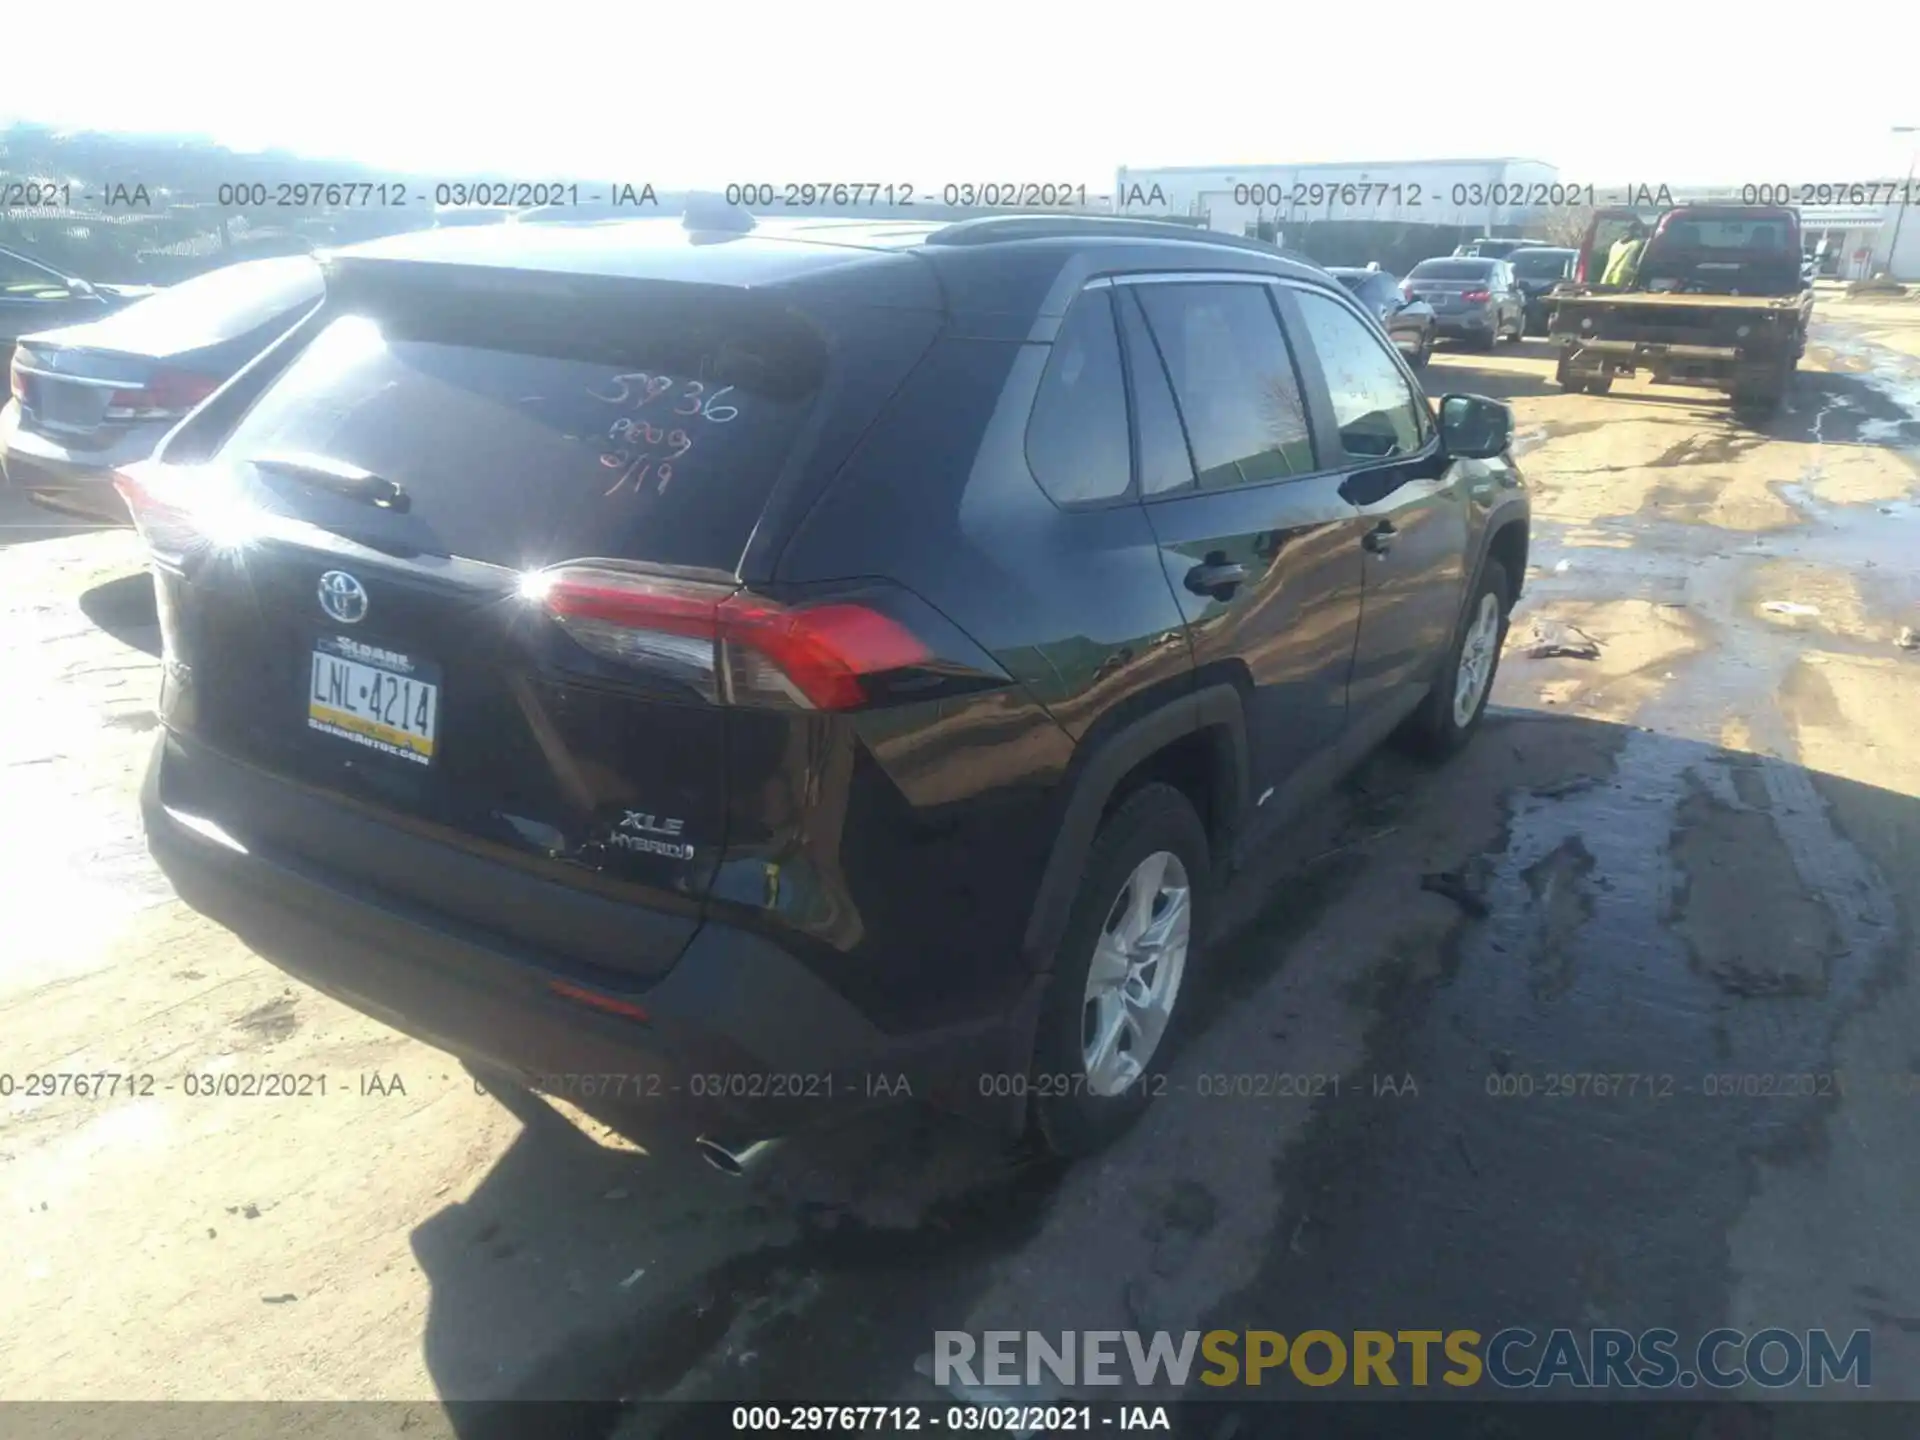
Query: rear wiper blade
x: 338, y: 477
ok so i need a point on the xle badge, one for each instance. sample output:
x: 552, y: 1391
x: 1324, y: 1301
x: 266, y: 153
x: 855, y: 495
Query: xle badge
x: 643, y: 832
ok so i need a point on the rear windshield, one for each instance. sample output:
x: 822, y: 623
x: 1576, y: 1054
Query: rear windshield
x: 1451, y: 270
x: 533, y: 430
x: 208, y: 309
x: 1761, y: 235
x: 1537, y: 264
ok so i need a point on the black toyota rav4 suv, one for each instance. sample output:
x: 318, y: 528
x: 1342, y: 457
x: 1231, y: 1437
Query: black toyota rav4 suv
x: 767, y: 668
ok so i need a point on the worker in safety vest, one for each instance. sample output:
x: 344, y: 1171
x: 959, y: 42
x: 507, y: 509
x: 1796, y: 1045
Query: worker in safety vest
x: 1623, y: 260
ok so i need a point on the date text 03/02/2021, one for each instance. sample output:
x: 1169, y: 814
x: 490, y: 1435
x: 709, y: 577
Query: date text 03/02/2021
x: 992, y: 1419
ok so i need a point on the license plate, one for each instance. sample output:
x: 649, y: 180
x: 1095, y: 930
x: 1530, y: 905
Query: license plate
x: 76, y: 407
x: 374, y: 697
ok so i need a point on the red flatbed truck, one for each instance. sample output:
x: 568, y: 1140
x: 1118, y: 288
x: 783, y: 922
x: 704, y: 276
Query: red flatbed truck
x: 1717, y: 301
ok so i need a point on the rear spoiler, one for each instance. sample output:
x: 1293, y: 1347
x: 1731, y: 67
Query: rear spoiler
x: 196, y: 437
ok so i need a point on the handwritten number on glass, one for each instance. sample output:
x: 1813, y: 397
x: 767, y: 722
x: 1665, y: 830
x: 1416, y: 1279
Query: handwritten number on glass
x: 677, y: 443
x: 642, y: 451
x: 696, y: 402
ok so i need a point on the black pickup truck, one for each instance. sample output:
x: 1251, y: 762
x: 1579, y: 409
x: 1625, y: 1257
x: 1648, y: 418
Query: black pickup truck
x: 1716, y: 299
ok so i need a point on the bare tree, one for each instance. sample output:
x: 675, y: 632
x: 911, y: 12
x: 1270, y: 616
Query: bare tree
x: 1285, y: 418
x: 1564, y: 227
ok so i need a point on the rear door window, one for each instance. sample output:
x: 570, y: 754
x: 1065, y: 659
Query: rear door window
x: 530, y: 429
x: 1166, y: 465
x: 1077, y: 434
x: 1234, y: 380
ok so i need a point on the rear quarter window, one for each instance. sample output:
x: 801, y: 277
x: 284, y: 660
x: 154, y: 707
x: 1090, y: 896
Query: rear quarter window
x: 1077, y: 435
x: 534, y: 429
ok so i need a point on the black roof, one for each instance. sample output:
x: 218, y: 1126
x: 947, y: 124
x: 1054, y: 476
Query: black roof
x: 959, y: 265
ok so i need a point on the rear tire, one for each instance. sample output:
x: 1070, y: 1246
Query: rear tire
x: 1424, y: 353
x: 1453, y: 709
x: 1135, y: 918
x: 1764, y: 399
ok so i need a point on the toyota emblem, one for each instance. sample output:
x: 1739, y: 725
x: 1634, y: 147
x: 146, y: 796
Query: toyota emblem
x: 343, y: 597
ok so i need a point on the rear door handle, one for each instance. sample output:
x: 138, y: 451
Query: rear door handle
x: 1379, y: 540
x: 1216, y: 579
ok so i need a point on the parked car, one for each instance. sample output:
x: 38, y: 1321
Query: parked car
x: 1474, y: 300
x: 88, y: 398
x: 35, y: 296
x: 1489, y: 248
x: 775, y: 668
x: 1408, y: 323
x: 1537, y: 269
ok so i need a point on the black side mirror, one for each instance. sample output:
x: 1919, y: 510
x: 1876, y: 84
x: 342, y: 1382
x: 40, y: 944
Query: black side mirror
x: 1473, y: 427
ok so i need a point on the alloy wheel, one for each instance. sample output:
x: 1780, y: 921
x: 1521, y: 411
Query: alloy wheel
x: 1134, y: 980
x: 1477, y: 653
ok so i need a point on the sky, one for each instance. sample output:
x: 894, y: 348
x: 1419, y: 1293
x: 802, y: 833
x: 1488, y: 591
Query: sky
x: 701, y: 95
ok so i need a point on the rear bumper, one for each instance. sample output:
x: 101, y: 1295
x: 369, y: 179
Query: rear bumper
x: 739, y: 1037
x: 1644, y: 351
x: 1714, y: 367
x: 79, y: 482
x: 1478, y: 323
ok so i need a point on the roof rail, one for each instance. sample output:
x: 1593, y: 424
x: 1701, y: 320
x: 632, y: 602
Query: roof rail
x: 993, y: 229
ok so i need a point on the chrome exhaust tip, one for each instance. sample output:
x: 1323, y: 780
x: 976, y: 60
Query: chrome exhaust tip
x: 735, y: 1159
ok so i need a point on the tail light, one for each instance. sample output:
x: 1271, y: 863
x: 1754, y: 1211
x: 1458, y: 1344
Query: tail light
x: 733, y: 647
x: 1473, y: 295
x: 1580, y: 269
x: 167, y: 395
x: 17, y: 376
x: 184, y: 510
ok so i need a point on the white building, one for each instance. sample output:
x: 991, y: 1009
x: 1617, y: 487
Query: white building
x: 1855, y: 242
x: 1485, y: 196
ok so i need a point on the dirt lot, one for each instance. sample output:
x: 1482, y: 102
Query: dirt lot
x: 1699, y: 854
